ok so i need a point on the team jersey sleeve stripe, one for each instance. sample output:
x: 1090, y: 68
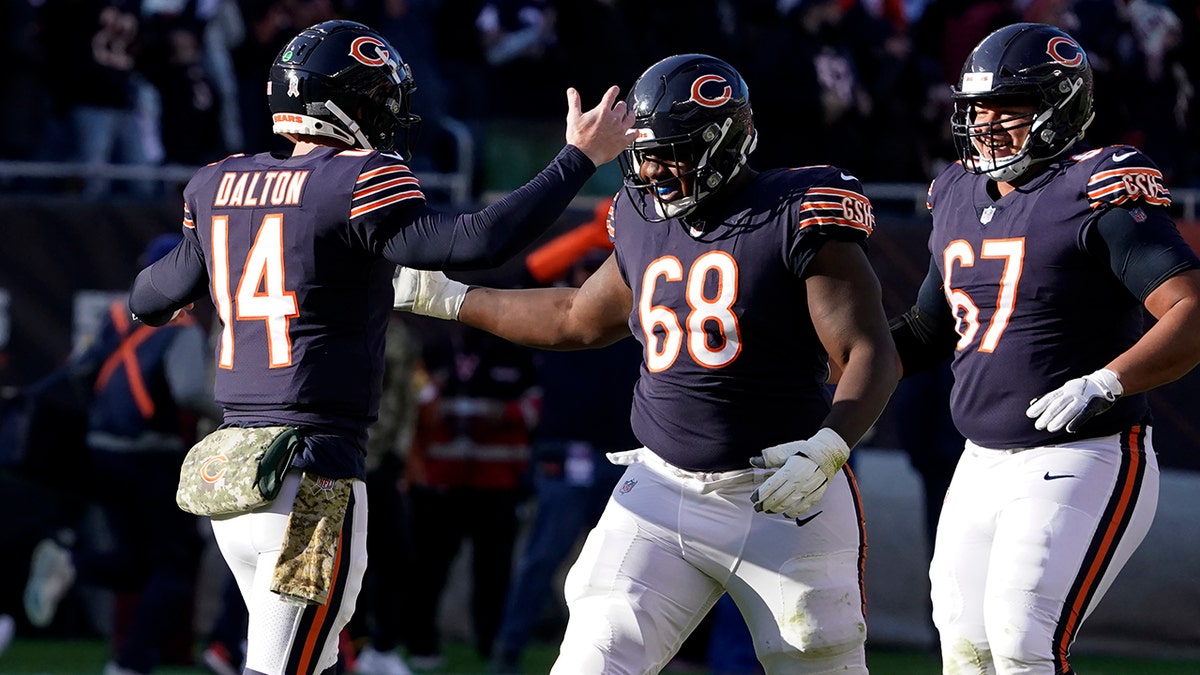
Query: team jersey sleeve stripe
x: 367, y: 176
x: 382, y: 186
x: 385, y: 201
x: 833, y: 220
x: 1125, y: 171
x: 368, y: 191
x: 825, y: 205
x: 1128, y: 184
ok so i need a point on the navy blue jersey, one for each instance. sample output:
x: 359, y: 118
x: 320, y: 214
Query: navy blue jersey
x: 1041, y: 293
x: 731, y: 361
x: 298, y: 254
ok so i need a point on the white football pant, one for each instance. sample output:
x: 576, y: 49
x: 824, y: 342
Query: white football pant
x: 286, y: 638
x: 671, y: 542
x: 1029, y: 541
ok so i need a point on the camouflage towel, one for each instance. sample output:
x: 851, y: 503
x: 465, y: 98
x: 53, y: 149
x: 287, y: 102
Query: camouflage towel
x: 234, y: 470
x: 308, y: 558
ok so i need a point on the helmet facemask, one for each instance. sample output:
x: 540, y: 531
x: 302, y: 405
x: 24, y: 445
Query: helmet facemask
x: 722, y: 155
x: 1048, y: 137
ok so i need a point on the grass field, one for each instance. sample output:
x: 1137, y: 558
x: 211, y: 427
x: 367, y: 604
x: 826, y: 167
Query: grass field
x: 86, y: 657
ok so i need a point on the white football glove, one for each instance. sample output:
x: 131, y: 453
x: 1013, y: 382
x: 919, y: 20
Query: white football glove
x: 804, y: 470
x: 1076, y: 402
x: 427, y: 293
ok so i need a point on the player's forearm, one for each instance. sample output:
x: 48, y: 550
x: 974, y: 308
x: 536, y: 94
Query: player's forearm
x: 535, y: 317
x: 1167, y: 352
x: 155, y: 296
x: 868, y: 379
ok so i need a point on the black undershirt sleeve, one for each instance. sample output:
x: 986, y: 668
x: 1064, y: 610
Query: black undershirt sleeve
x: 1143, y: 247
x: 484, y: 239
x: 925, y: 335
x: 176, y: 280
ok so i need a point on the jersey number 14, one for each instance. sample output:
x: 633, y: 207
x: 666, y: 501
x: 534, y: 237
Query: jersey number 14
x: 260, y: 295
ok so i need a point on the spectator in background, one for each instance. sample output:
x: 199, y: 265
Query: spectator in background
x: 466, y: 471
x: 94, y: 43
x: 590, y: 27
x: 150, y: 391
x: 520, y: 48
x: 586, y: 397
x: 410, y: 26
x: 942, y: 38
x: 825, y: 90
x: 173, y: 59
x: 269, y: 25
x: 1135, y: 48
x: 26, y: 91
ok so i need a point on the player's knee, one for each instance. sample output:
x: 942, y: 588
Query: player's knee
x: 1022, y: 653
x: 1021, y: 640
x: 827, y: 633
x: 961, y: 656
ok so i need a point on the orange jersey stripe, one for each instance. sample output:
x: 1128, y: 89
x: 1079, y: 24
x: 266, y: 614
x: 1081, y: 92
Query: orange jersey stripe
x: 380, y: 203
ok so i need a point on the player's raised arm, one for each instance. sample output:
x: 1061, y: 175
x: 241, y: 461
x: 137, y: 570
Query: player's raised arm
x: 431, y: 239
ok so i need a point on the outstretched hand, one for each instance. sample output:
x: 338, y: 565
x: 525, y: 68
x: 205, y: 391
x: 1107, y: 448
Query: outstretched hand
x: 602, y: 132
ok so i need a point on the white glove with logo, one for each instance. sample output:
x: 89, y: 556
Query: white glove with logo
x: 805, y: 468
x: 1076, y: 402
x: 427, y: 293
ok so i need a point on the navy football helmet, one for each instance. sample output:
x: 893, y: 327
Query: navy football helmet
x: 342, y: 80
x: 692, y: 108
x: 1025, y: 63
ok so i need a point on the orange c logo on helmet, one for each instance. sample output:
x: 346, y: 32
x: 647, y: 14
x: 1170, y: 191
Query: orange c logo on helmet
x: 356, y: 51
x: 1052, y: 48
x: 210, y: 473
x: 705, y: 101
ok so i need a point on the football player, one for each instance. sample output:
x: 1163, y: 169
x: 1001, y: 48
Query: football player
x: 1044, y: 256
x: 741, y: 286
x: 298, y: 253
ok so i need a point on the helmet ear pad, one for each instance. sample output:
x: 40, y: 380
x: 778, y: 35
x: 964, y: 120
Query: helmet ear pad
x: 342, y: 80
x: 698, y: 107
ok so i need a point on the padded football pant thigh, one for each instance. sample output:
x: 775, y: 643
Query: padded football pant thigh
x: 800, y: 590
x: 633, y: 599
x: 284, y: 638
x: 671, y: 542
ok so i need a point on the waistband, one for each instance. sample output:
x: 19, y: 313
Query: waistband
x: 700, y: 481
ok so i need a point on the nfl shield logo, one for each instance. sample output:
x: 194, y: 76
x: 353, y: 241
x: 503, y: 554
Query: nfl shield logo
x: 986, y: 216
x: 628, y: 485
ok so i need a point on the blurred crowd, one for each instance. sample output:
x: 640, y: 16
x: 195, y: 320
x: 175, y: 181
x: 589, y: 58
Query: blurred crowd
x: 857, y: 83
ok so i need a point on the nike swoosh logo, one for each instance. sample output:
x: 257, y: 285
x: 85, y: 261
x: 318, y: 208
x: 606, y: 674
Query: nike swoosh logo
x: 1122, y: 156
x: 846, y: 176
x: 1061, y: 475
x: 801, y: 522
